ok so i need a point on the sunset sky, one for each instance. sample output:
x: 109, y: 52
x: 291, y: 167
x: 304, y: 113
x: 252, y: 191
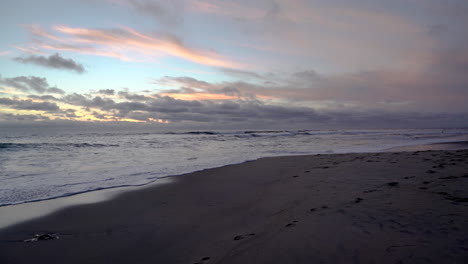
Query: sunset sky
x: 238, y: 63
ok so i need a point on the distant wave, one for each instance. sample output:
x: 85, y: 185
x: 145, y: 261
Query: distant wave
x: 57, y: 145
x: 292, y: 133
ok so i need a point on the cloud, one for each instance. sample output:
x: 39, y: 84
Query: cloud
x: 124, y: 43
x: 43, y: 97
x: 168, y: 13
x: 175, y: 110
x: 241, y: 73
x: 19, y: 117
x: 254, y: 113
x: 54, y: 61
x: 27, y: 83
x: 307, y: 75
x: 231, y: 112
x: 107, y: 91
x: 88, y: 102
x: 344, y: 36
x: 29, y: 105
x: 133, y: 97
x: 440, y: 87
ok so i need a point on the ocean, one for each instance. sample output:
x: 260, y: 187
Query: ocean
x: 37, y: 166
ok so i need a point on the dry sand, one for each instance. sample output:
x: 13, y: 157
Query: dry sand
x: 405, y: 207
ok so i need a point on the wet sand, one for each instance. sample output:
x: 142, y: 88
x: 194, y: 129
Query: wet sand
x: 400, y: 207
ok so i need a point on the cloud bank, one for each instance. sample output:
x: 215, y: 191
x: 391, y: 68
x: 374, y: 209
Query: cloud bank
x: 244, y: 107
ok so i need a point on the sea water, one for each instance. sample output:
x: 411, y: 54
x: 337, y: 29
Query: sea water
x: 44, y: 165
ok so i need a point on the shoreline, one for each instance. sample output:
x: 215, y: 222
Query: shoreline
x: 25, y: 211
x: 293, y: 209
x: 448, y: 145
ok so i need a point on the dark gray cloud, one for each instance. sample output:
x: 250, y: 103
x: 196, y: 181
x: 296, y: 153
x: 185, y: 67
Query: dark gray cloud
x: 133, y: 97
x: 54, y: 61
x: 55, y: 90
x: 307, y: 75
x: 18, y: 117
x: 241, y: 73
x: 107, y: 91
x: 189, y: 81
x: 230, y: 90
x: 69, y: 113
x: 76, y: 99
x: 89, y: 102
x: 182, y: 90
x: 43, y: 97
x: 29, y: 105
x: 27, y: 83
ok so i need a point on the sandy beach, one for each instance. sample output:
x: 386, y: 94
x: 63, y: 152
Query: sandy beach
x: 392, y: 207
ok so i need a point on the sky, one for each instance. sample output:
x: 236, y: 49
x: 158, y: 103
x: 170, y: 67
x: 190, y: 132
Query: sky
x: 235, y: 64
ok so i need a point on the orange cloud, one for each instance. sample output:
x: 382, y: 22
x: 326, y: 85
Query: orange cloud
x: 11, y: 90
x: 123, y: 43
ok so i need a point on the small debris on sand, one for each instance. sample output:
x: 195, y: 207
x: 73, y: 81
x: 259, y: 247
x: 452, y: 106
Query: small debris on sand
x: 42, y: 237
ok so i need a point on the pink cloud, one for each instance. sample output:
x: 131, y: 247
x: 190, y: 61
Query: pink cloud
x: 31, y: 50
x: 3, y: 53
x: 123, y: 43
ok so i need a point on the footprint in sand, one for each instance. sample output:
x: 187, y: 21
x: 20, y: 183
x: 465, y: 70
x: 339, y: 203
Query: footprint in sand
x: 315, y: 209
x: 458, y: 199
x: 240, y: 237
x: 448, y: 178
x: 293, y: 223
x: 358, y: 200
x: 393, y: 184
x: 204, y: 259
